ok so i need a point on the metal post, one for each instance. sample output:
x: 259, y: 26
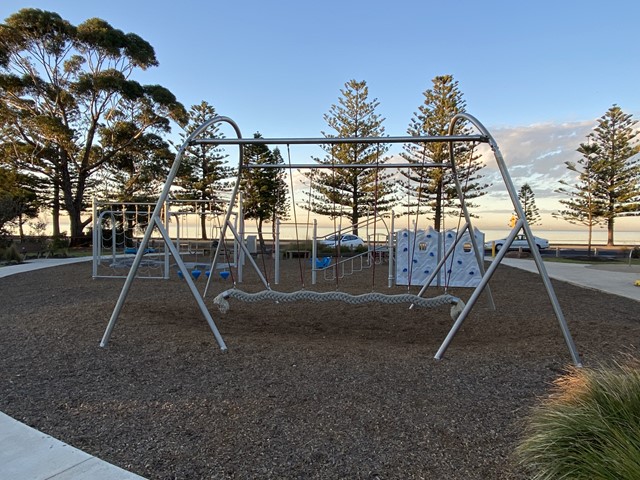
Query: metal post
x: 276, y: 251
x: 391, y: 251
x: 240, y: 262
x: 314, y: 252
x: 96, y: 246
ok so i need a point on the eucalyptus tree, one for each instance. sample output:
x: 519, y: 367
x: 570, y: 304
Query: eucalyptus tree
x: 18, y: 200
x: 352, y: 192
x: 434, y: 186
x: 69, y: 105
x: 204, y: 173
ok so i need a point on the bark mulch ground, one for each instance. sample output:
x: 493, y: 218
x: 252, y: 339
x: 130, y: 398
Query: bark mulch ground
x: 306, y: 390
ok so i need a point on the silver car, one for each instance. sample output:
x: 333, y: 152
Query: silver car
x: 344, y: 240
x: 519, y: 242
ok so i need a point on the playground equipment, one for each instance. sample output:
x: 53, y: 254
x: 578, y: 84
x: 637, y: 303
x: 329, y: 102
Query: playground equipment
x: 118, y: 229
x: 483, y: 137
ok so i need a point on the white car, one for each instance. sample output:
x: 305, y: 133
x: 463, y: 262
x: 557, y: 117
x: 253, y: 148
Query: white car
x: 519, y: 242
x: 345, y: 240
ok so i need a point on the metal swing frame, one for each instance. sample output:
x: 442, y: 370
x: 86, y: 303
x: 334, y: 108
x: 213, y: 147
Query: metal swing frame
x: 483, y: 137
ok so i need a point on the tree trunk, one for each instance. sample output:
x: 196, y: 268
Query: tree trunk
x: 610, y: 222
x: 55, y: 210
x: 203, y: 224
x: 260, y: 236
x: 21, y: 228
x: 438, y: 209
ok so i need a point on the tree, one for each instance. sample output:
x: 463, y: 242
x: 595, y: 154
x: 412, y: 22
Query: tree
x: 203, y: 170
x: 435, y: 187
x: 68, y: 105
x: 352, y: 192
x: 137, y: 174
x: 617, y: 172
x: 264, y: 190
x: 528, y: 201
x: 583, y: 206
x: 18, y: 200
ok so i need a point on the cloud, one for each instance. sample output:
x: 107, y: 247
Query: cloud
x: 536, y: 154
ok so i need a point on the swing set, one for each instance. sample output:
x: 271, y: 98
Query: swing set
x: 459, y: 310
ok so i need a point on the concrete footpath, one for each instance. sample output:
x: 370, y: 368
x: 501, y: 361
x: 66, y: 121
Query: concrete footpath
x: 27, y: 454
x: 617, y: 279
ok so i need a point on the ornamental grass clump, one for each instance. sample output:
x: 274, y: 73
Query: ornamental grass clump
x: 588, y: 428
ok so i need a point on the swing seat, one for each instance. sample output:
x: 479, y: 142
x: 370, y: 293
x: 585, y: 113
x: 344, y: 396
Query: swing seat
x: 134, y: 250
x: 323, y: 262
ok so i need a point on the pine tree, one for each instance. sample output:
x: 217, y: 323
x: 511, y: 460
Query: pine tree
x: 617, y: 175
x: 583, y: 206
x: 435, y: 186
x: 346, y: 192
x: 528, y: 201
x: 203, y: 173
x: 264, y: 190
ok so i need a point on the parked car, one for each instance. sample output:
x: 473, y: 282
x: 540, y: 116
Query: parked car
x: 519, y: 242
x: 344, y: 240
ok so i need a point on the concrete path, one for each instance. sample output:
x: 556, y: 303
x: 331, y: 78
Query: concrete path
x: 617, y: 279
x: 37, y: 264
x: 27, y: 454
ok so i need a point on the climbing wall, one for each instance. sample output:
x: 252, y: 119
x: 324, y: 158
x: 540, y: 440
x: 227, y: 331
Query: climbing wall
x: 417, y: 257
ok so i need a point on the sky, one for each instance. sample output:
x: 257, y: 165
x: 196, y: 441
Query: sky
x: 538, y: 74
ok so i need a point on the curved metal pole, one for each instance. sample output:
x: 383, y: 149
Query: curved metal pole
x: 472, y: 234
x: 524, y: 225
x: 156, y: 221
x: 234, y: 194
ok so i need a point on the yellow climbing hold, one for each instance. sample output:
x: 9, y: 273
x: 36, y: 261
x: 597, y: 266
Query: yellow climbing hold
x: 637, y: 284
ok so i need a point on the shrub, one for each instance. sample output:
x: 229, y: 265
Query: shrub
x: 12, y: 255
x: 588, y: 428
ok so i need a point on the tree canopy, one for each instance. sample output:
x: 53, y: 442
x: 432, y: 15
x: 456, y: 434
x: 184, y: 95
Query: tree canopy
x: 264, y: 190
x: 528, y: 201
x: 204, y: 172
x: 69, y: 105
x: 352, y: 192
x: 435, y: 187
x: 608, y: 183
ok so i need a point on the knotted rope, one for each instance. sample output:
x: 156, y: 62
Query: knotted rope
x: 288, y: 297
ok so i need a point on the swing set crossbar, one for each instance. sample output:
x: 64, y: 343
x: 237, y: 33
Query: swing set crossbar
x: 339, y: 140
x: 349, y: 166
